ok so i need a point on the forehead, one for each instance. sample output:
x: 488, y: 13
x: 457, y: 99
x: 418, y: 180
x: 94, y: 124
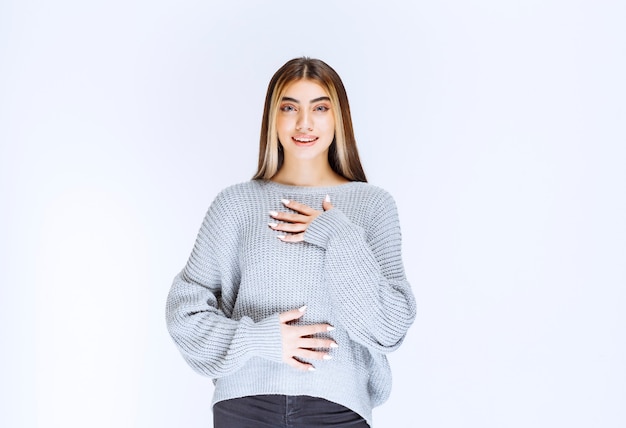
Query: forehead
x: 304, y: 90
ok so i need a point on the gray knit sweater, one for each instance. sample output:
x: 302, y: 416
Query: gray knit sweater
x: 222, y: 309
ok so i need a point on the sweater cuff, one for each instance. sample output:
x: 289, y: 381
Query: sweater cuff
x: 328, y: 224
x: 266, y: 339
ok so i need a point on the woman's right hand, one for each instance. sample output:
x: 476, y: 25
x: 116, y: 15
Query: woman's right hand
x: 297, y: 343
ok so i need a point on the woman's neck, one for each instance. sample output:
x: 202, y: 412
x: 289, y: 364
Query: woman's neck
x: 308, y: 174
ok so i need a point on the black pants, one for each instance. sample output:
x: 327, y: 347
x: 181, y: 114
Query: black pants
x: 280, y: 411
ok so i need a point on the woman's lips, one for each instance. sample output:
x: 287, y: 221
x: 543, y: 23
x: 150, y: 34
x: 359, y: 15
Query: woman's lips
x: 304, y: 140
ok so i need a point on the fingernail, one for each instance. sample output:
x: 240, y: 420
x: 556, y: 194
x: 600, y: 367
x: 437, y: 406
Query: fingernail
x: 285, y: 201
x: 334, y: 345
x: 311, y: 369
x: 272, y: 224
x: 327, y: 357
x: 330, y: 328
x: 327, y: 198
x: 281, y: 237
x: 273, y: 213
x: 302, y: 309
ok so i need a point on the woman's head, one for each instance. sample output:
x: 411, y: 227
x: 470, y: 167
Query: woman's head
x: 343, y: 156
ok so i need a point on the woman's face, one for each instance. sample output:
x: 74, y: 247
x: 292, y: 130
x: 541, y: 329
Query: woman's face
x: 305, y: 121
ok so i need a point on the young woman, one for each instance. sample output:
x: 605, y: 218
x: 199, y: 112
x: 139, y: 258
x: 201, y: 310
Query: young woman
x: 295, y: 289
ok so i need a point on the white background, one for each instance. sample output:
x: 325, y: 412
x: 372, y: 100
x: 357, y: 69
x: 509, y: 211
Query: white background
x: 499, y: 127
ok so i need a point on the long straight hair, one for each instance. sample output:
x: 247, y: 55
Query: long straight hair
x: 343, y: 155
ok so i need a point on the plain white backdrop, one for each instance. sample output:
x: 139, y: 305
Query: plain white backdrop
x: 499, y: 127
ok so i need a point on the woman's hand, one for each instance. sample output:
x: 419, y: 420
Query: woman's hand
x: 296, y: 224
x: 298, y: 345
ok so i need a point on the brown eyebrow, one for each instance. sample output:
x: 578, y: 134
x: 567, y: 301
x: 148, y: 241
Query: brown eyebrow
x: 315, y: 100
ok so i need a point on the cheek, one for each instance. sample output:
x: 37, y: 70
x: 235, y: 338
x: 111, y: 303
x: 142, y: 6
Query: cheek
x: 285, y: 123
x: 280, y: 124
x: 330, y: 127
x: 281, y: 127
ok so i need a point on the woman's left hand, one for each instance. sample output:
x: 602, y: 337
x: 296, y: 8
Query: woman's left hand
x: 296, y: 224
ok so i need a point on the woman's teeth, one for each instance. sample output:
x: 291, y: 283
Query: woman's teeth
x: 305, y: 140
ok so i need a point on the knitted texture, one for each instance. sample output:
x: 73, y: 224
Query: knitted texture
x: 222, y: 309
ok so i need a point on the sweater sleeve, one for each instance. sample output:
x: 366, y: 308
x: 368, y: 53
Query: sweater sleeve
x: 364, y: 269
x: 212, y: 343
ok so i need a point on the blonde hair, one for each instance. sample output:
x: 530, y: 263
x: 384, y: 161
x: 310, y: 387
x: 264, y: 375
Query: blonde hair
x: 343, y: 155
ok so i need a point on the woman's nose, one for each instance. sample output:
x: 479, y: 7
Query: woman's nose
x: 304, y: 122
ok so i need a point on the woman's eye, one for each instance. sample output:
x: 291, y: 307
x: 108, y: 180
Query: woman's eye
x: 322, y: 108
x: 287, y: 108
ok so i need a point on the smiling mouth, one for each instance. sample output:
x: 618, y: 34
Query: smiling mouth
x: 304, y: 140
